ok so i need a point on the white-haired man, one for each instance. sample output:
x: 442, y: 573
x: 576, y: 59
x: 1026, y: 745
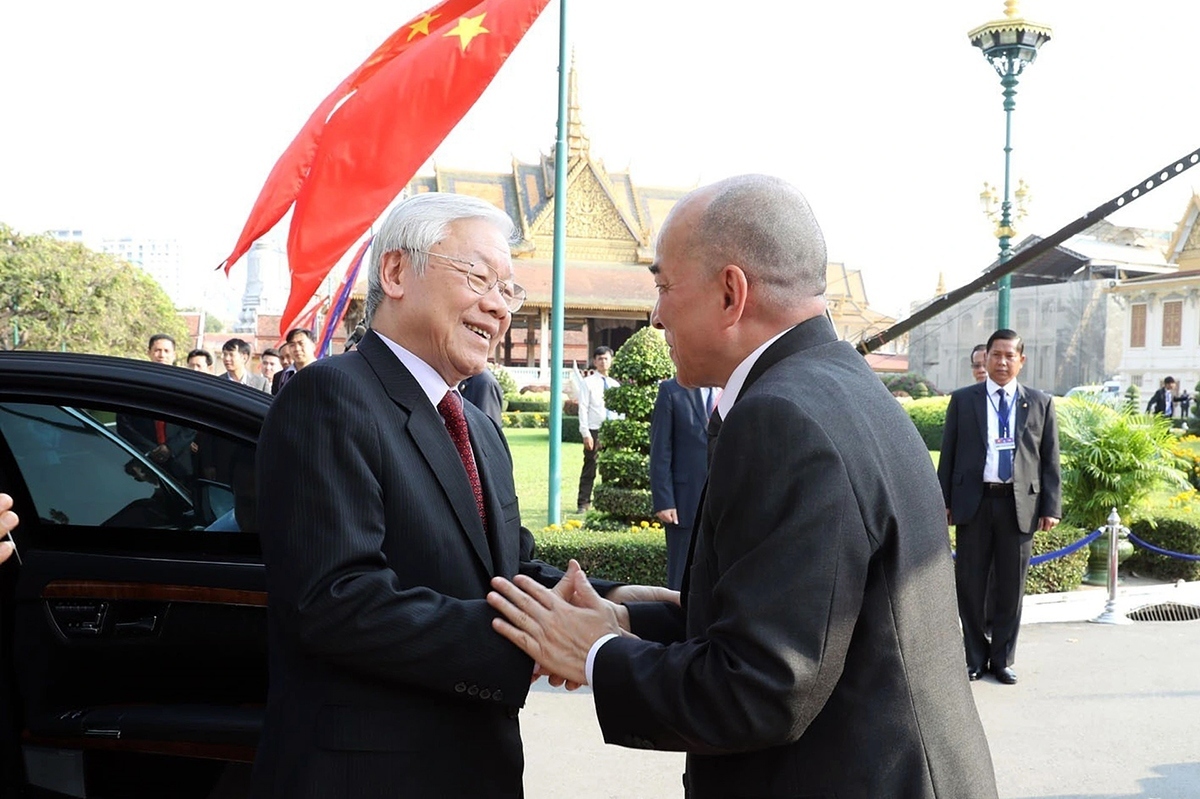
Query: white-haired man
x: 386, y: 677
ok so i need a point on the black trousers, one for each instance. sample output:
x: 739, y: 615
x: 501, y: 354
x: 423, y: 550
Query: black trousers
x: 587, y: 475
x: 991, y: 544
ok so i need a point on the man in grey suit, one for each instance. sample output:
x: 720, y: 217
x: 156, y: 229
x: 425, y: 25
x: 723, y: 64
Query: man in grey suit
x: 678, y: 465
x: 817, y: 651
x: 1000, y: 478
x: 386, y: 679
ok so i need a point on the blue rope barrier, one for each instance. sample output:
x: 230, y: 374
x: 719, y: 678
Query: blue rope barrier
x: 1160, y: 551
x: 1059, y: 553
x: 1068, y: 549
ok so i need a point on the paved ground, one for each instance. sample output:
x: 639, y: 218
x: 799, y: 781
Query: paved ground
x: 1100, y: 711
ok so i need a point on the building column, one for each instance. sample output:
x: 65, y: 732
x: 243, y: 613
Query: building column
x: 543, y: 346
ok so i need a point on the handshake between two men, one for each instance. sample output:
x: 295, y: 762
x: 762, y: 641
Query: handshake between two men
x: 560, y: 627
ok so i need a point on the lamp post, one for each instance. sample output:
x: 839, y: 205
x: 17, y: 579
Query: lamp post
x: 1009, y: 45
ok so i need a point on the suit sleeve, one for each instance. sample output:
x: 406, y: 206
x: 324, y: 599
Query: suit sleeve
x: 949, y: 447
x: 1050, y: 494
x: 322, y: 523
x: 662, y: 486
x: 786, y: 553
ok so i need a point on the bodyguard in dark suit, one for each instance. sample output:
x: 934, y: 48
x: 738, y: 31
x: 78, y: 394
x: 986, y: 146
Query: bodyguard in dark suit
x: 678, y: 466
x: 483, y: 391
x: 816, y: 653
x: 1000, y: 478
x: 1163, y: 400
x: 387, y: 505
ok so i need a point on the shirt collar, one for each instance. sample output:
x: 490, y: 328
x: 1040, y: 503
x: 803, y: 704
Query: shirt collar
x: 733, y: 386
x: 1009, y: 391
x: 430, y: 381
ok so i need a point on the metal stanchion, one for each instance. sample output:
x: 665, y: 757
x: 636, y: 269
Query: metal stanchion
x: 1110, y: 614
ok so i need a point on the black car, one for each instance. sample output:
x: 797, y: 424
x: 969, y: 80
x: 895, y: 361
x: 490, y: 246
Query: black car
x: 133, y: 627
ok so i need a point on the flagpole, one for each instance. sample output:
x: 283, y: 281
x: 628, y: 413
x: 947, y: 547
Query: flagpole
x: 558, y: 292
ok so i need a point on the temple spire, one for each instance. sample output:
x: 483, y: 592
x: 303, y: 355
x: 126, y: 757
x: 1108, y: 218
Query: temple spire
x: 577, y: 143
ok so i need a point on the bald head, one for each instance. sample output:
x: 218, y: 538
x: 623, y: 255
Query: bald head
x: 764, y: 225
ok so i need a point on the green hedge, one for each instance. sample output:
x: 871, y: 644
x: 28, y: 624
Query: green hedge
x: 628, y: 503
x: 570, y: 429
x: 929, y: 416
x: 520, y: 419
x: 526, y: 403
x: 1177, y: 530
x: 639, y: 558
x: 1060, y: 574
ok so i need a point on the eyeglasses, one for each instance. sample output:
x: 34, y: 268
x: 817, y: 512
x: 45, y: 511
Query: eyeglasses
x: 482, y: 279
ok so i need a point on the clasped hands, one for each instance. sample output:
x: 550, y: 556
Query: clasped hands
x: 557, y: 627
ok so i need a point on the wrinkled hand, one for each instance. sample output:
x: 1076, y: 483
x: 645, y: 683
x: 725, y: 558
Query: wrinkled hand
x: 8, y: 520
x: 555, y: 632
x: 668, y: 515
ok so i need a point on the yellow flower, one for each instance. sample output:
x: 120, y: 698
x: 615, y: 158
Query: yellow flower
x: 645, y: 524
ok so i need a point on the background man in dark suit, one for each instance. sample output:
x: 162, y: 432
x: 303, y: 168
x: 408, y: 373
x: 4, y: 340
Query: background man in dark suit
x: 1163, y: 400
x: 678, y: 465
x: 979, y: 362
x: 817, y: 651
x: 386, y: 679
x: 483, y: 391
x: 999, y: 472
x: 301, y: 349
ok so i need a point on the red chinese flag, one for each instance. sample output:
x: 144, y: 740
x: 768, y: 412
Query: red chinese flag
x: 290, y: 171
x: 380, y: 136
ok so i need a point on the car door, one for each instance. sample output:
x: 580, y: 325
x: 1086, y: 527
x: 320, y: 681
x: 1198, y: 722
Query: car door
x: 133, y: 629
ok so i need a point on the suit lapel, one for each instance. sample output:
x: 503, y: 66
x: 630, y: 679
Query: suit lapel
x: 428, y: 432
x: 696, y: 396
x: 488, y: 460
x: 1022, y: 414
x: 980, y: 406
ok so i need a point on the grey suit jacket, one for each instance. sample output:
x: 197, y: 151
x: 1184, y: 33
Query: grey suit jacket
x: 818, y: 652
x: 386, y: 678
x: 1037, y: 482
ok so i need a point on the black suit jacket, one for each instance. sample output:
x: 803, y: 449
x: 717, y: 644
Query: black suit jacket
x: 678, y: 449
x: 1037, y: 483
x: 817, y: 653
x: 386, y: 678
x: 1158, y: 403
x: 483, y: 391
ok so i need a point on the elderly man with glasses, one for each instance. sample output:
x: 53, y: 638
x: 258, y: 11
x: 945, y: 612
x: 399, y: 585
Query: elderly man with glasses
x: 386, y: 676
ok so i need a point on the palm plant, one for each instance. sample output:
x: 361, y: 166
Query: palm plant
x: 1112, y: 459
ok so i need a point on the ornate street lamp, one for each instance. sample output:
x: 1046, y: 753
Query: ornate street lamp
x: 1009, y: 45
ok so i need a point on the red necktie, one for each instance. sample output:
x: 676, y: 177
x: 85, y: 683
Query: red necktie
x: 160, y: 431
x: 456, y: 424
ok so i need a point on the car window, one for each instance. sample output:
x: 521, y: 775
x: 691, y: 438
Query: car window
x: 105, y: 469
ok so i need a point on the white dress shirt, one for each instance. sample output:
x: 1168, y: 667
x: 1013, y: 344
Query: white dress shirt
x: 991, y: 465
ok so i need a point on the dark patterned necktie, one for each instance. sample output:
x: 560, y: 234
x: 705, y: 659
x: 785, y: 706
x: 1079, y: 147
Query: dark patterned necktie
x: 456, y: 424
x: 1006, y: 455
x: 714, y: 428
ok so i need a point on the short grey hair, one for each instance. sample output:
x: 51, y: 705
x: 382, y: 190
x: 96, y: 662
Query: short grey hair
x: 420, y: 222
x: 764, y: 225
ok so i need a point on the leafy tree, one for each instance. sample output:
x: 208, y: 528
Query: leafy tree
x: 213, y: 323
x: 1113, y: 459
x: 640, y: 364
x: 62, y: 296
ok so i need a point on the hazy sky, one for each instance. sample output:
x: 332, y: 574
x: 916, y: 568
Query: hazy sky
x: 149, y: 118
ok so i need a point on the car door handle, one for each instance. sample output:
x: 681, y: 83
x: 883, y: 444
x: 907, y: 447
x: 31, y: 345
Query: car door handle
x: 145, y: 624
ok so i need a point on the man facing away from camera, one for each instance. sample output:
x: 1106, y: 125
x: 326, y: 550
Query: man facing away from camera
x: 816, y: 652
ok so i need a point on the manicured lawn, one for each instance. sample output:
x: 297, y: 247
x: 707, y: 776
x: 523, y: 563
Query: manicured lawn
x: 531, y: 470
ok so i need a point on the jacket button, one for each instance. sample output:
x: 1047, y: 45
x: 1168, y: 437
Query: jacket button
x: 462, y: 686
x: 473, y: 690
x: 496, y: 695
x: 485, y: 694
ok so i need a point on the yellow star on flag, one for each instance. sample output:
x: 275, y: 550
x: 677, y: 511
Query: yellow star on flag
x: 421, y: 25
x: 467, y: 29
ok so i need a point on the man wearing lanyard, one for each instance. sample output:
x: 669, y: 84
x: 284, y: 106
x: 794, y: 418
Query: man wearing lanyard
x: 999, y: 472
